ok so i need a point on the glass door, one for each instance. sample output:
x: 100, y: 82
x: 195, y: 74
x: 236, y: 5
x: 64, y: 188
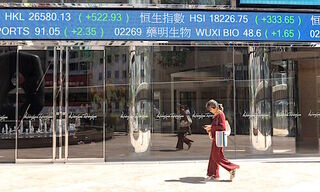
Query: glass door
x: 85, y: 103
x: 60, y: 104
x: 35, y: 104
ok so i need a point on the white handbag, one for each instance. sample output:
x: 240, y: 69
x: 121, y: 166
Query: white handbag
x: 228, y: 128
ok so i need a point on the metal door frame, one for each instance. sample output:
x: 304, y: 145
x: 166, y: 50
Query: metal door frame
x: 31, y: 47
x: 84, y: 160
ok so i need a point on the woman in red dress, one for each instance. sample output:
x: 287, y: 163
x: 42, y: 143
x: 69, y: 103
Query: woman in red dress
x: 216, y: 156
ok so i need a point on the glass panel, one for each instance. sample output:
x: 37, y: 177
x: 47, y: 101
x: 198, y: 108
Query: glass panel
x: 161, y: 83
x: 284, y: 100
x: 8, y: 57
x: 303, y: 118
x: 242, y: 129
x: 118, y: 145
x: 277, y: 101
x: 260, y: 99
x: 35, y: 104
x: 85, y: 104
x: 184, y: 79
x: 129, y: 104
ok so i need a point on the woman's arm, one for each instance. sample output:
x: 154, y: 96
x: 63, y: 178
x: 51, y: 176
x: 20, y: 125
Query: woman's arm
x: 221, y: 122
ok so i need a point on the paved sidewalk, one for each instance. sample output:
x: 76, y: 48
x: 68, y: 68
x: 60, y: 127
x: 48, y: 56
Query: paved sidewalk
x: 296, y: 174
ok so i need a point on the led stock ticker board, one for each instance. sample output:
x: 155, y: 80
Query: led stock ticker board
x: 157, y: 25
x: 281, y: 2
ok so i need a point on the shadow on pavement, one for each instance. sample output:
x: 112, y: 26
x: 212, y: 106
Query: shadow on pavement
x: 194, y: 180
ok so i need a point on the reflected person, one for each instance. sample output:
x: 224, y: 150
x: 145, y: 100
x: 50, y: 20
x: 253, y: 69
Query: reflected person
x: 217, y: 155
x: 185, y: 123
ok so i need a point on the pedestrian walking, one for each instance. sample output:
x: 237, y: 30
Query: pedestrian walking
x: 217, y: 156
x: 185, y: 124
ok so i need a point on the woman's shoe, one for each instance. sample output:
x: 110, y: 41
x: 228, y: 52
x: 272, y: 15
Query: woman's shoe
x: 211, y: 178
x: 215, y: 179
x: 208, y: 178
x: 232, y: 174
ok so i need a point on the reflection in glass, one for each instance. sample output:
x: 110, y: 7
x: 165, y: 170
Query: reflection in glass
x: 35, y: 105
x: 118, y: 144
x: 276, y: 105
x: 260, y: 120
x: 188, y: 76
x: 8, y: 84
x: 280, y: 98
x: 139, y: 99
x: 85, y: 104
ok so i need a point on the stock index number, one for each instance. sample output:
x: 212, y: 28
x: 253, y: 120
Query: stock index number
x: 49, y: 16
x: 221, y: 18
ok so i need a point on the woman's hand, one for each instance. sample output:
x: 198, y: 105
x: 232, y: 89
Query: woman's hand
x: 210, y: 135
x: 207, y: 128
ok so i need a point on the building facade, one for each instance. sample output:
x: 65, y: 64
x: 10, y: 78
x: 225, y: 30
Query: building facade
x: 119, y: 100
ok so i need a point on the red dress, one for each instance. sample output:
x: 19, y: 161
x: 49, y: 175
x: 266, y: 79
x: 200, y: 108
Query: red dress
x: 216, y: 156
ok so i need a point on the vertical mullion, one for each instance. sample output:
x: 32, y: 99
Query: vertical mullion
x: 17, y: 105
x: 66, y: 126
x: 234, y: 101
x: 60, y: 101
x: 54, y: 104
x: 104, y: 102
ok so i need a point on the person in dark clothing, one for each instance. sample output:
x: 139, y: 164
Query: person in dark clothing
x: 185, y: 124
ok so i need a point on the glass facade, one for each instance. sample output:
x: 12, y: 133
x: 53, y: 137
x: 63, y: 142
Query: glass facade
x: 266, y: 92
x: 116, y: 102
x: 258, y: 87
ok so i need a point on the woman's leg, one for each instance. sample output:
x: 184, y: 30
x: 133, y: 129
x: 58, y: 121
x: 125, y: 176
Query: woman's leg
x: 224, y: 162
x: 213, y: 167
